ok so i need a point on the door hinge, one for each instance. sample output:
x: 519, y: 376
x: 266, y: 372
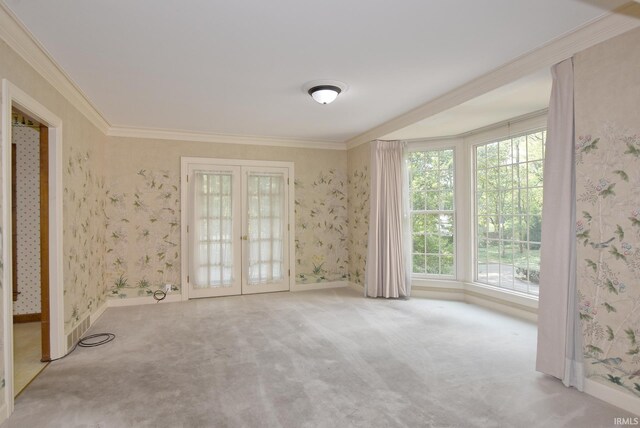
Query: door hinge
x: 287, y: 180
x: 288, y: 227
x: 187, y: 178
x: 289, y: 272
x: 187, y: 228
x: 187, y: 279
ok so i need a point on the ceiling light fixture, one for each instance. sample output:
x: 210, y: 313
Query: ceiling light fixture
x: 324, y: 94
x: 324, y: 91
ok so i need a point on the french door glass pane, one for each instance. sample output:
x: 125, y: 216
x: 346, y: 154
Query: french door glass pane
x: 265, y: 199
x: 213, y: 243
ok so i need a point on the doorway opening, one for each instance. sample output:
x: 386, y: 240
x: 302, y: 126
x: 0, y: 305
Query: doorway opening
x: 30, y: 244
x: 17, y: 104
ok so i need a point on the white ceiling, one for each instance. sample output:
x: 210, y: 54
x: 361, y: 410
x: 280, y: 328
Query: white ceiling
x: 237, y: 67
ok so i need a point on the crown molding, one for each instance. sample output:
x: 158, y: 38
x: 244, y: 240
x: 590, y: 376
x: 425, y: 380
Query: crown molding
x: 205, y: 137
x: 20, y: 39
x: 597, y: 31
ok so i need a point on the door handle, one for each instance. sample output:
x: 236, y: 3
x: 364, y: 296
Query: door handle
x: 244, y: 237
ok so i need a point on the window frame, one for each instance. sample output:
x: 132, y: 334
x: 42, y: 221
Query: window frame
x: 472, y: 149
x: 458, y: 153
x: 465, y: 259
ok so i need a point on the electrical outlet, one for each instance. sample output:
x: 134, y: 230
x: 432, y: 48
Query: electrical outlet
x: 167, y: 288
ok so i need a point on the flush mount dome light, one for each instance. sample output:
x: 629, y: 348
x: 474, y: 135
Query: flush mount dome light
x: 325, y: 91
x: 324, y: 94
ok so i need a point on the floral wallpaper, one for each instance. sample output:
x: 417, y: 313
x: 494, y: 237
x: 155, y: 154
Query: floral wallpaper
x: 359, y: 188
x: 143, y: 234
x: 83, y: 237
x: 608, y: 232
x: 321, y: 228
x: 608, y: 210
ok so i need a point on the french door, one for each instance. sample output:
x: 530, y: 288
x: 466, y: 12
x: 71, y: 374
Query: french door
x: 237, y: 227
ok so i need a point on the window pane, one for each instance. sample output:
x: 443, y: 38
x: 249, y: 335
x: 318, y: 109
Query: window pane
x: 419, y: 246
x: 446, y: 200
x: 446, y: 245
x: 417, y: 200
x: 504, y: 153
x: 432, y: 244
x: 432, y: 200
x: 508, y: 176
x: 535, y: 174
x: 432, y: 210
x: 433, y: 264
x: 492, y: 155
x: 418, y: 223
x: 535, y: 146
x: 419, y: 263
x: 447, y: 265
x: 481, y: 157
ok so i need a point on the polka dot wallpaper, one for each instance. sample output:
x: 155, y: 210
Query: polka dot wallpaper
x: 28, y: 218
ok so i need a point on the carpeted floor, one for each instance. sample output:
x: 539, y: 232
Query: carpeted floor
x: 327, y: 358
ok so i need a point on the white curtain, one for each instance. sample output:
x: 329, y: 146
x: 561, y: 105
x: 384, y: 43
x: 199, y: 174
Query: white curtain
x: 559, y: 331
x: 212, y: 240
x: 265, y: 207
x: 387, y: 272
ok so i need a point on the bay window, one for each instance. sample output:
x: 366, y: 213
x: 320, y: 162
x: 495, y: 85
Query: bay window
x: 476, y: 207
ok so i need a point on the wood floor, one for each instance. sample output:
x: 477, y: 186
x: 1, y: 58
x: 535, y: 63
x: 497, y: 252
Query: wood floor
x: 26, y: 354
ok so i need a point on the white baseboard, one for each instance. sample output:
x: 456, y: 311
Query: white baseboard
x: 3, y: 413
x: 438, y: 293
x: 115, y: 302
x: 438, y: 289
x: 621, y: 399
x: 97, y: 314
x: 319, y: 285
x: 501, y: 306
x: 505, y: 301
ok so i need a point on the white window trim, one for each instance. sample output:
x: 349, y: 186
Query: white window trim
x: 465, y: 263
x: 458, y: 178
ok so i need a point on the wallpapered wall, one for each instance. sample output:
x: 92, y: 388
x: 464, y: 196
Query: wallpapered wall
x: 143, y: 232
x: 321, y: 226
x: 358, y: 160
x: 607, y: 90
x: 26, y: 142
x: 84, y: 235
x: 143, y: 211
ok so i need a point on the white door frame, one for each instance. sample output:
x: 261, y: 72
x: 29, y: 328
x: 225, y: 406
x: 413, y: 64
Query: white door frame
x: 14, y: 96
x: 184, y: 193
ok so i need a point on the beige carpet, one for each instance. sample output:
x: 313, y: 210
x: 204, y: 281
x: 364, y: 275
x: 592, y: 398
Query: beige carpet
x: 328, y: 358
x: 27, y: 351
